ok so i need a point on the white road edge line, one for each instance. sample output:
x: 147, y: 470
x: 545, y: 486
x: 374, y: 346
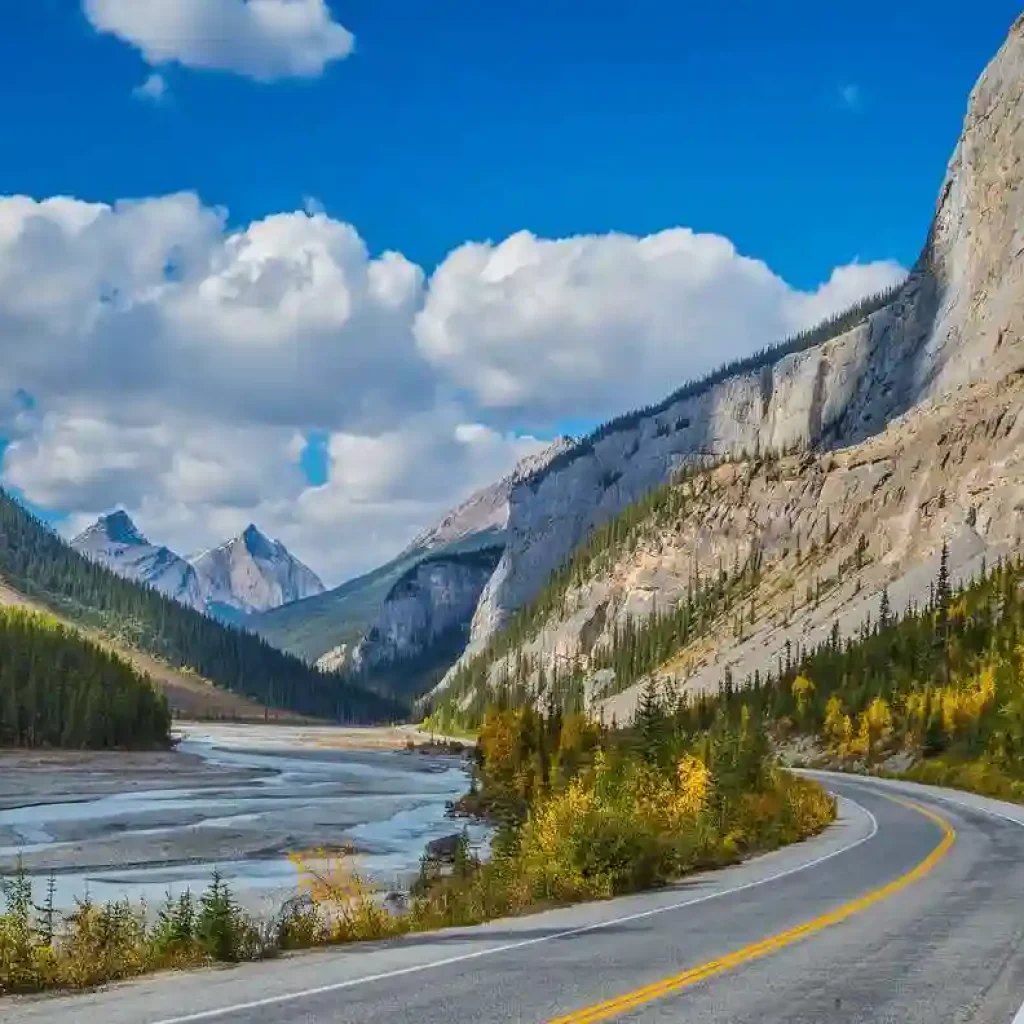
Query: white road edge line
x: 288, y: 997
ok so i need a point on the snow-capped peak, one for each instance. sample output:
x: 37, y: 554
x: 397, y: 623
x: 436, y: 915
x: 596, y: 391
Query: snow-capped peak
x: 115, y: 541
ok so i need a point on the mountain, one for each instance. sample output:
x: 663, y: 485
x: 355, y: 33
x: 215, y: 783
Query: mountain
x: 808, y: 479
x: 37, y: 565
x: 421, y: 626
x: 246, y: 574
x: 375, y: 619
x: 114, y: 541
x: 252, y: 573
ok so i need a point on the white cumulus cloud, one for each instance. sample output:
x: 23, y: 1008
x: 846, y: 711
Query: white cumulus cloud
x: 261, y: 39
x: 154, y: 357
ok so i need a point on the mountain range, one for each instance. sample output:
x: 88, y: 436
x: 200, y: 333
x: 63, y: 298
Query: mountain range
x: 249, y: 573
x: 415, y: 610
x: 831, y: 468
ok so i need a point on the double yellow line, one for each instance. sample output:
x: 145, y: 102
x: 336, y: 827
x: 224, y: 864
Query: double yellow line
x: 677, y: 982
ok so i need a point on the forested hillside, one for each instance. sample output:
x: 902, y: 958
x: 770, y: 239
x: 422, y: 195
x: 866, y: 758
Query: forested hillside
x: 36, y: 561
x: 935, y: 689
x: 631, y: 651
x: 938, y: 690
x: 942, y: 681
x: 59, y: 690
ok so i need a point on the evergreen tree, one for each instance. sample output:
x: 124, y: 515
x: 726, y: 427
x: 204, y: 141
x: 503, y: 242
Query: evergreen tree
x: 649, y: 720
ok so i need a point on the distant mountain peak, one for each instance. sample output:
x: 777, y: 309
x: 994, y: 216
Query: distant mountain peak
x: 251, y: 573
x: 248, y: 573
x: 115, y: 541
x: 116, y: 527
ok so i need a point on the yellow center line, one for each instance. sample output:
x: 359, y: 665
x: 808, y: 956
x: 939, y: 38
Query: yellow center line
x: 677, y: 982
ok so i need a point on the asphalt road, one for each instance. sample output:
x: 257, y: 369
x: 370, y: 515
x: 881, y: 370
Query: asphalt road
x: 909, y: 910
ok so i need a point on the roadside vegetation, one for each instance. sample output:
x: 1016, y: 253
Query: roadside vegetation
x: 42, y: 949
x: 580, y: 812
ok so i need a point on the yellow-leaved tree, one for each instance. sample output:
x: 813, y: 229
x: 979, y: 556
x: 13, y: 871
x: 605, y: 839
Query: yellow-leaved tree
x: 803, y: 694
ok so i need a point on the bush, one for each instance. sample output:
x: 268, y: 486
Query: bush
x: 97, y: 943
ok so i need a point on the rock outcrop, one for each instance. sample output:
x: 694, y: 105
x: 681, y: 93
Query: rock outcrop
x: 389, y: 614
x: 434, y: 601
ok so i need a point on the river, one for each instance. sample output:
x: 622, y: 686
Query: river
x: 236, y: 798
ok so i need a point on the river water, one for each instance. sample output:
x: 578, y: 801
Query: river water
x: 257, y: 802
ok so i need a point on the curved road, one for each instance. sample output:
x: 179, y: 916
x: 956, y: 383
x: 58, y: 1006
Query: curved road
x: 909, y: 910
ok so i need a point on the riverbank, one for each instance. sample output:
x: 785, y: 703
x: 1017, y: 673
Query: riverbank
x: 324, y: 737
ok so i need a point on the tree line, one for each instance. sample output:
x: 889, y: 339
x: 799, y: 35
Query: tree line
x: 35, y: 560
x: 58, y: 689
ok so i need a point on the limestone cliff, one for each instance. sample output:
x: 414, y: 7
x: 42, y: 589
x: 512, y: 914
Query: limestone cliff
x: 947, y: 344
x: 830, y: 531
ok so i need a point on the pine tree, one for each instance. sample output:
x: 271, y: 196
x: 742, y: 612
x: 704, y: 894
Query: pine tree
x: 218, y: 925
x: 649, y: 721
x: 884, y: 610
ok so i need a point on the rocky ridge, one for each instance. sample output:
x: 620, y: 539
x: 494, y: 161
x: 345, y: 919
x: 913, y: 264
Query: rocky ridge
x: 432, y: 602
x: 440, y: 577
x: 249, y: 573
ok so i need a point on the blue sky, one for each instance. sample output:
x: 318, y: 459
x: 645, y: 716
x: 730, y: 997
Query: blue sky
x: 460, y: 120
x: 345, y: 415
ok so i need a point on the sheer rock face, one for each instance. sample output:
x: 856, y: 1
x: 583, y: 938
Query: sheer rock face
x: 252, y: 573
x: 114, y: 541
x: 433, y: 600
x: 955, y: 325
x: 950, y: 471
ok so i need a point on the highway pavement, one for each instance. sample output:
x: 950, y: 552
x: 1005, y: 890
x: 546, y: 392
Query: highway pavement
x: 910, y: 909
